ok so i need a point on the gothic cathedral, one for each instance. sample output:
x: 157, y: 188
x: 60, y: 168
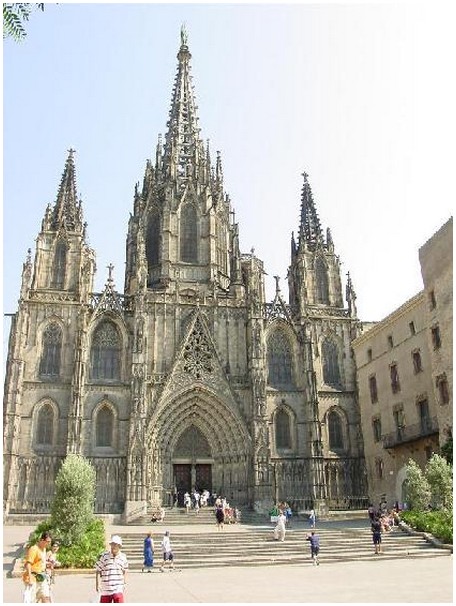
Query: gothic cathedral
x: 189, y: 378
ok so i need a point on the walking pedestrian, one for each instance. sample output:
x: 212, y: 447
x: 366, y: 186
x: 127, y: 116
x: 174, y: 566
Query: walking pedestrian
x: 148, y: 553
x: 168, y: 556
x: 314, y: 540
x: 376, y: 528
x: 111, y: 573
x: 36, y: 581
x: 219, y: 516
x: 312, y: 518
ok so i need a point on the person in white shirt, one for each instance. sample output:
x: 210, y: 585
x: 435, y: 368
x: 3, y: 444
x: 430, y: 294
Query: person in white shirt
x: 168, y: 556
x: 279, y: 530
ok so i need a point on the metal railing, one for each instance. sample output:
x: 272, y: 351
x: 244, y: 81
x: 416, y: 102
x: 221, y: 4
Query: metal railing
x: 409, y: 433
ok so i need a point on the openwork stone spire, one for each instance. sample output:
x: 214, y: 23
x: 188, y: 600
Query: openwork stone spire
x: 310, y: 232
x: 183, y: 148
x: 67, y: 211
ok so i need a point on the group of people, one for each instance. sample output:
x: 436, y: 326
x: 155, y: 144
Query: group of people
x: 195, y: 500
x: 167, y: 552
x: 39, y: 564
x: 382, y: 520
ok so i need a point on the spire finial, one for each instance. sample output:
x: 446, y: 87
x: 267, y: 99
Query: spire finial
x: 184, y: 35
x: 277, y: 278
x: 110, y: 269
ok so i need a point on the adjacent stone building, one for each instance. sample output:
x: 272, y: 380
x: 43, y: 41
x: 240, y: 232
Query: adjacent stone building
x: 404, y: 377
x: 188, y: 377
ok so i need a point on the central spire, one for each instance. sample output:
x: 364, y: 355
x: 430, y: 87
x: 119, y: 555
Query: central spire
x: 67, y: 210
x: 183, y: 149
x: 310, y: 233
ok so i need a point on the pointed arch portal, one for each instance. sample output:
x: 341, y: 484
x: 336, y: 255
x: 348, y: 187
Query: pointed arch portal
x: 196, y: 440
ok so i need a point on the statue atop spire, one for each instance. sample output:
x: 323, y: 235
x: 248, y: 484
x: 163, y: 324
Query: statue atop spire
x: 184, y: 35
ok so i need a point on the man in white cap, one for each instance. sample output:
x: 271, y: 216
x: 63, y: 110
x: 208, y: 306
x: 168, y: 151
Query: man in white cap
x: 111, y: 569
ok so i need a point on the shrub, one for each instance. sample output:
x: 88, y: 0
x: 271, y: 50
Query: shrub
x: 439, y: 474
x: 83, y: 552
x: 438, y: 523
x: 72, y: 508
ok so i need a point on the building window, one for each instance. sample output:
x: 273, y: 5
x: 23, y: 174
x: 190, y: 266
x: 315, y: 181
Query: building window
x: 423, y: 413
x: 390, y: 341
x: 188, y: 234
x: 369, y: 355
x: 412, y: 328
x: 373, y: 389
x: 105, y: 355
x: 59, y: 267
x: 336, y: 439
x: 50, y: 356
x: 436, y: 341
x: 282, y: 429
x: 279, y: 360
x: 442, y: 385
x: 153, y: 240
x: 45, y: 426
x: 394, y: 374
x: 399, y: 422
x: 321, y: 282
x: 416, y: 357
x: 432, y: 300
x: 104, y: 427
x: 331, y: 372
x: 377, y: 429
x: 379, y: 468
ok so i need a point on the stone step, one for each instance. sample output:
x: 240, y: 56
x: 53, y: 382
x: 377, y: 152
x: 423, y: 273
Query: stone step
x: 257, y: 547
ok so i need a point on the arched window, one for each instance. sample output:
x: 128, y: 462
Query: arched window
x: 321, y: 282
x: 331, y: 372
x: 336, y: 438
x: 59, y: 267
x: 105, y: 358
x: 104, y: 427
x: 153, y: 240
x: 45, y: 426
x: 282, y: 429
x: 50, y: 355
x: 279, y: 360
x: 188, y: 234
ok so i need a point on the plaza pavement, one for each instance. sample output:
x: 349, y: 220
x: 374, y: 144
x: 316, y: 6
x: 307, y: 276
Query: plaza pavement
x: 421, y: 580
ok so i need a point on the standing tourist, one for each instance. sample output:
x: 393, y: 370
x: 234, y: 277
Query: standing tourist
x: 148, y: 553
x: 279, y: 530
x: 219, y: 516
x: 52, y: 563
x: 312, y: 518
x: 111, y: 569
x: 314, y: 540
x: 36, y: 581
x: 168, y: 556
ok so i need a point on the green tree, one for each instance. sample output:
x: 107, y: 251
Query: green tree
x: 439, y: 475
x: 72, y: 508
x: 418, y: 489
x: 14, y: 16
x: 447, y: 450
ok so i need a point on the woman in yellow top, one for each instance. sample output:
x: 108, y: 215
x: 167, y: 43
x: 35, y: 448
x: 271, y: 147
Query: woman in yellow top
x: 37, y: 587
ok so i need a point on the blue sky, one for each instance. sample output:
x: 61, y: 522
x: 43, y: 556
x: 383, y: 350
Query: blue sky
x: 359, y: 96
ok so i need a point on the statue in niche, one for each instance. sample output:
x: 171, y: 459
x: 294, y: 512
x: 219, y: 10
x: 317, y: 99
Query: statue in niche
x: 139, y: 335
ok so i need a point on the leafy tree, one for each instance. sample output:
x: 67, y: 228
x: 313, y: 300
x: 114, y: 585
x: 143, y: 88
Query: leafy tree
x: 418, y: 489
x: 14, y: 16
x: 447, y: 450
x: 439, y: 475
x: 72, y: 508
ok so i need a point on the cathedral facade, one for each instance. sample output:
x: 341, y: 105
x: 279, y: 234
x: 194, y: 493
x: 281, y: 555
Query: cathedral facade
x: 189, y: 377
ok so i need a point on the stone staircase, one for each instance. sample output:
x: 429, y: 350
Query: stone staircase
x: 250, y: 543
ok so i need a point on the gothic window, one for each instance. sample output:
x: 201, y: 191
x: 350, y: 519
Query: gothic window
x: 153, y: 240
x: 188, y: 234
x: 416, y: 357
x: 192, y: 443
x: 331, y: 372
x: 197, y: 355
x: 104, y: 427
x: 336, y: 438
x: 59, y: 267
x: 436, y: 340
x: 377, y: 429
x: 105, y: 358
x: 442, y: 385
x: 50, y: 356
x: 321, y: 281
x: 279, y: 360
x: 45, y: 426
x: 282, y: 429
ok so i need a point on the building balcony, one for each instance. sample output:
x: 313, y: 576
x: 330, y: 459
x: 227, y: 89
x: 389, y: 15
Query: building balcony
x: 409, y: 433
